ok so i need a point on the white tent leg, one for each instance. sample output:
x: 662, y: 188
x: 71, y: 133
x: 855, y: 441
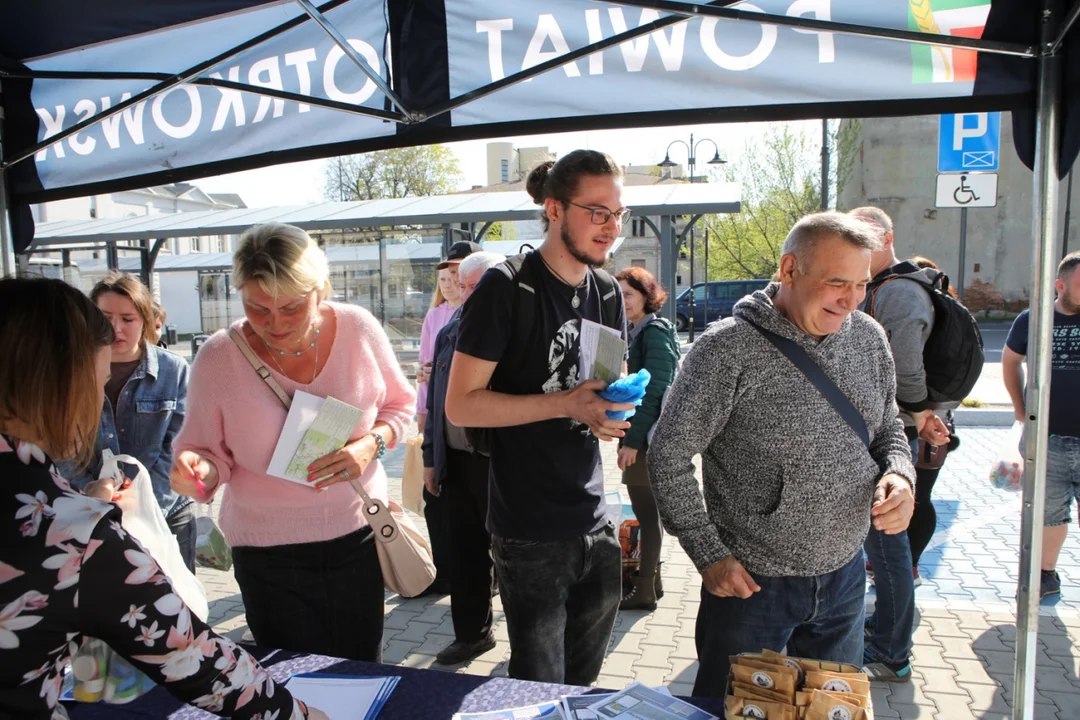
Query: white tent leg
x: 1040, y: 352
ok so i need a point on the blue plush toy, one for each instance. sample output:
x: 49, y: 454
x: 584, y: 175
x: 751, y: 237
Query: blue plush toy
x: 630, y: 389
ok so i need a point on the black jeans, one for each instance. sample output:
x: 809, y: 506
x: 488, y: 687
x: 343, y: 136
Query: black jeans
x: 438, y: 535
x: 560, y: 599
x: 321, y: 597
x: 924, y: 519
x: 182, y: 525
x: 472, y: 581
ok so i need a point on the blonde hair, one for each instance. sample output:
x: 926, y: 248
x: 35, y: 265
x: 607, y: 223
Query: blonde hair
x: 283, y: 259
x: 438, y: 298
x: 51, y: 334
x: 131, y: 287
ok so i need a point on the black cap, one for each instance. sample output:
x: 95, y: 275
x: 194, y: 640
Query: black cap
x: 458, y: 252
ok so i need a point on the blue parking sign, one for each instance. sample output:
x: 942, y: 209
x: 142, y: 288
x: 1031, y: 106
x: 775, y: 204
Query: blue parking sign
x: 969, y: 142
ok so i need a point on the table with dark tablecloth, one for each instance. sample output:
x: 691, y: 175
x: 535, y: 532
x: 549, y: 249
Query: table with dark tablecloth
x: 420, y: 695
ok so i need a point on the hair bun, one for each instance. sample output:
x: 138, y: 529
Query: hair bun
x: 537, y: 181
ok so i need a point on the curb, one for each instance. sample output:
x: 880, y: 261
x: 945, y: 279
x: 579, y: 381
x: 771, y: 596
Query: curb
x: 981, y: 417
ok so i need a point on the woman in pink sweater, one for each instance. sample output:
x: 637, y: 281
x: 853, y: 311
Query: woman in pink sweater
x: 304, y: 557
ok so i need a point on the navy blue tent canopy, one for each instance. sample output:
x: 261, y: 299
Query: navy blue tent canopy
x: 215, y: 86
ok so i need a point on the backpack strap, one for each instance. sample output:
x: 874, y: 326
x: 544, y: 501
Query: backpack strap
x: 519, y: 268
x: 609, y: 297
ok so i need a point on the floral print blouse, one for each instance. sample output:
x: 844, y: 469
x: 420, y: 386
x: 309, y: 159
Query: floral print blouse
x: 68, y: 568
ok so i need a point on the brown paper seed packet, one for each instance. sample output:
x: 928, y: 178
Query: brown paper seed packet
x: 751, y: 692
x: 768, y: 678
x: 838, y: 682
x: 759, y: 709
x: 826, y: 707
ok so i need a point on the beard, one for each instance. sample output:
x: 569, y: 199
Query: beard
x: 1069, y: 304
x: 571, y: 244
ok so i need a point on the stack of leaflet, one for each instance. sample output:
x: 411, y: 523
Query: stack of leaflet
x: 343, y: 697
x: 636, y: 702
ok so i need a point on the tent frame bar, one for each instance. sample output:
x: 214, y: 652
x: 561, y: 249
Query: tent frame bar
x: 1074, y: 13
x: 173, y: 81
x: 909, y: 36
x: 1040, y: 356
x: 211, y: 82
x: 351, y: 53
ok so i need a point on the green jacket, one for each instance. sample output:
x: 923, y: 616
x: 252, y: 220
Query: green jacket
x: 656, y: 349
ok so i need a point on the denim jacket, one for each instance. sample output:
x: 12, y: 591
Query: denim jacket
x: 149, y: 412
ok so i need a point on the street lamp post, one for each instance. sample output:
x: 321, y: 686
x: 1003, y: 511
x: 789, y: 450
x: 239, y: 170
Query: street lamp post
x: 691, y: 151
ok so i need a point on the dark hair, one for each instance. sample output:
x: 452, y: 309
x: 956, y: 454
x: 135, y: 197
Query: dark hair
x: 926, y: 263
x: 51, y: 334
x: 560, y: 179
x: 1068, y: 264
x: 645, y: 283
x: 131, y: 287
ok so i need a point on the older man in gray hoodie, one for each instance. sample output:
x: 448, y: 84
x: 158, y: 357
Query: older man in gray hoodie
x: 791, y: 485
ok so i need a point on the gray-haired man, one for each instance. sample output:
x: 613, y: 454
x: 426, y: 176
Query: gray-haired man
x: 790, y: 486
x: 453, y: 470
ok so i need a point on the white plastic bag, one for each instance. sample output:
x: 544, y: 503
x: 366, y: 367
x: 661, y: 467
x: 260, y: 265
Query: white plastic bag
x: 144, y: 520
x: 1007, y: 472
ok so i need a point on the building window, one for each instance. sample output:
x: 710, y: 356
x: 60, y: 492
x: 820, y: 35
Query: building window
x: 638, y: 228
x: 505, y: 170
x: 637, y: 263
x: 195, y: 246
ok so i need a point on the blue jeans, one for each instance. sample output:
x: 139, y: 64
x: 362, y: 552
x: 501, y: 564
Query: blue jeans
x: 893, y: 620
x: 817, y: 617
x: 560, y: 600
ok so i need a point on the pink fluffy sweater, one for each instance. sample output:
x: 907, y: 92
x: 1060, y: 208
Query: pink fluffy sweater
x: 234, y: 419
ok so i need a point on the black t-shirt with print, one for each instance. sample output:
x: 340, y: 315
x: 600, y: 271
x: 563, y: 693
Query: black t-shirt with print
x: 546, y: 479
x: 1065, y: 368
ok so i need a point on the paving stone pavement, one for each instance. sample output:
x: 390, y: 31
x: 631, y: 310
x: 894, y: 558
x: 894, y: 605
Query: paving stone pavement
x: 965, y: 636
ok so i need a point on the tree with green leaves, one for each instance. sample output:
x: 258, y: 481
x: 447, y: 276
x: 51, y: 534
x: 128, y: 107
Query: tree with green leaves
x: 396, y: 173
x: 780, y: 176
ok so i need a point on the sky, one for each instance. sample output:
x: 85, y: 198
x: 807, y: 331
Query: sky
x: 301, y: 183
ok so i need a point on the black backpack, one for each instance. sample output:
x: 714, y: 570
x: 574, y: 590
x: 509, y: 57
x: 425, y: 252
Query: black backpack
x: 521, y: 270
x: 953, y: 355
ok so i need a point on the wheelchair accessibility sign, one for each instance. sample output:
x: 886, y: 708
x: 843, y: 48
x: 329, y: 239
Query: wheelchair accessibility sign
x: 967, y: 190
x: 969, y: 142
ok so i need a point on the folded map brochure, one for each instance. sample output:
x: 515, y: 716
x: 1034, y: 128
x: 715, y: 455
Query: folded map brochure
x: 315, y: 427
x: 603, y: 352
x: 343, y: 697
x: 578, y: 707
x: 640, y: 702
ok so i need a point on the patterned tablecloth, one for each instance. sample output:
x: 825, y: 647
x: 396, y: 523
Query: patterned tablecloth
x: 420, y: 695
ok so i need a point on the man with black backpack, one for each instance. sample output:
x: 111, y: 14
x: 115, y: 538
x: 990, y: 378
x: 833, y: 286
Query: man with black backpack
x: 517, y: 372
x: 938, y: 354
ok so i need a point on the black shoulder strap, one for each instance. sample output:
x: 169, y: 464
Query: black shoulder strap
x: 609, y: 297
x: 523, y: 310
x: 821, y: 381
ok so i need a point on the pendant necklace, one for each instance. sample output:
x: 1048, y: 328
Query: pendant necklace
x: 576, y: 301
x: 314, y: 371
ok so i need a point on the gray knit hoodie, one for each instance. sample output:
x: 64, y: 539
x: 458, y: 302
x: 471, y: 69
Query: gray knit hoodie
x: 788, y: 485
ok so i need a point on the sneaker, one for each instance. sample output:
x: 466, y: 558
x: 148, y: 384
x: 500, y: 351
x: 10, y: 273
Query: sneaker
x: 888, y: 672
x: 915, y: 575
x: 1050, y: 583
x: 459, y: 651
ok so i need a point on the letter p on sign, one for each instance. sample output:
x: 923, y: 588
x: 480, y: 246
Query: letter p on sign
x: 962, y: 128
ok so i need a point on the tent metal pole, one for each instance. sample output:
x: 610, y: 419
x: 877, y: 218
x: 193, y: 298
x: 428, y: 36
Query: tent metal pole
x: 1074, y: 13
x: 213, y: 82
x: 1040, y: 353
x: 165, y: 85
x: 350, y: 52
x: 7, y: 238
x: 919, y: 38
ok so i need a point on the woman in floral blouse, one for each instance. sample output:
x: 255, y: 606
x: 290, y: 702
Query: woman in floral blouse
x: 67, y: 568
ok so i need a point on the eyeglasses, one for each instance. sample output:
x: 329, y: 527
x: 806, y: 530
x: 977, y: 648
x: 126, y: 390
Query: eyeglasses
x: 601, y: 215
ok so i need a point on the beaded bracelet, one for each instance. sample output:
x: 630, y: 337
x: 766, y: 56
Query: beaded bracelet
x: 381, y: 443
